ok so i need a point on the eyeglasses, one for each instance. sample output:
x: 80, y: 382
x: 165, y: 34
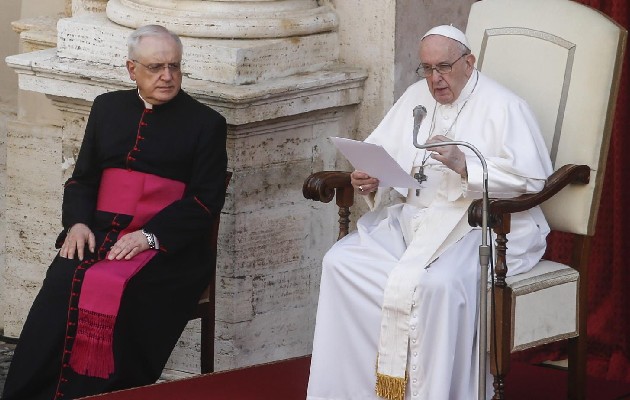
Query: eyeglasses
x: 173, y: 68
x: 426, y: 70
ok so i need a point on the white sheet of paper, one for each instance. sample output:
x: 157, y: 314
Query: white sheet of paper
x: 376, y: 162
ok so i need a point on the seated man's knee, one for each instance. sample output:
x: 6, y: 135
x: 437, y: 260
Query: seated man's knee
x: 440, y: 282
x: 339, y: 257
x: 332, y: 258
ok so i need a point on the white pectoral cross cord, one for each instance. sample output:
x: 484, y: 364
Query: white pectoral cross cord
x: 420, y: 176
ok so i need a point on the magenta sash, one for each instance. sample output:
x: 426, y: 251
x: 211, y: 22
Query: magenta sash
x: 134, y: 194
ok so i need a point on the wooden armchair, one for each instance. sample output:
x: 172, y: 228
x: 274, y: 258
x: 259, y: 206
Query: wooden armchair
x: 206, y: 307
x: 570, y: 76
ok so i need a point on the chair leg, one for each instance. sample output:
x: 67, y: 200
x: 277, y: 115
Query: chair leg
x: 499, y: 387
x: 577, y: 350
x: 500, y: 332
x: 207, y: 343
x: 500, y: 369
x: 577, y: 368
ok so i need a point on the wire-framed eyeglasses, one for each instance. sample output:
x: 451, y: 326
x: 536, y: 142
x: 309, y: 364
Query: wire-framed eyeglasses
x: 173, y: 68
x: 426, y: 70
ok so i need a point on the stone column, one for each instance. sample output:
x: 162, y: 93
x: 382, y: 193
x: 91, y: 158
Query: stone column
x: 272, y: 69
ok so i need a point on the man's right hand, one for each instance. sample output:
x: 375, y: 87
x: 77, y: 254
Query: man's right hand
x: 363, y: 182
x: 78, y: 235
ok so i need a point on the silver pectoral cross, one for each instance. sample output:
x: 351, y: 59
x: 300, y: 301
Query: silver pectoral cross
x: 420, y: 176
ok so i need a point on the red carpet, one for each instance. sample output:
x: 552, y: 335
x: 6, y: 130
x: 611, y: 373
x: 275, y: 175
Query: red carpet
x: 529, y: 382
x: 287, y: 380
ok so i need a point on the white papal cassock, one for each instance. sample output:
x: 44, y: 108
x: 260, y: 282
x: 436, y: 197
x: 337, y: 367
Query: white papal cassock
x: 402, y: 289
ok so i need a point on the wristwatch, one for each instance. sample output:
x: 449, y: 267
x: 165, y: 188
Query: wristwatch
x: 150, y: 238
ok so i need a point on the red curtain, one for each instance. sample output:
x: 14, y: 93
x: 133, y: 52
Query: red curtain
x: 609, y: 273
x: 609, y: 266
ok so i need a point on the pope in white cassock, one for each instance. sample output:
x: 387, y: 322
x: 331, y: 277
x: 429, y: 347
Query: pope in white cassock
x: 397, y: 313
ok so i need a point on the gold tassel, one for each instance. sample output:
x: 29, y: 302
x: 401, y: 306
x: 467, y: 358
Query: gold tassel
x: 390, y: 387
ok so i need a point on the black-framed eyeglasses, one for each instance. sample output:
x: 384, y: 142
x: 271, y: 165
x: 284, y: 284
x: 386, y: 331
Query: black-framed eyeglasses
x: 426, y: 70
x: 157, y: 68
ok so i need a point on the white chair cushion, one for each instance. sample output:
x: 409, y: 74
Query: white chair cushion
x: 544, y: 301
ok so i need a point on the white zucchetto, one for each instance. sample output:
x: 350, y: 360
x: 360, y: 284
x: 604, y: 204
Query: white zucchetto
x: 450, y: 32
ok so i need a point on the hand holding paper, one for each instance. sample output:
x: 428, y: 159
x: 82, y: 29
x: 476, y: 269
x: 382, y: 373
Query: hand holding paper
x: 375, y: 161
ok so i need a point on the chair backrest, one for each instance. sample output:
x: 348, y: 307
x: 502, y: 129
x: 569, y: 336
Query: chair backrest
x: 564, y: 59
x: 214, y: 232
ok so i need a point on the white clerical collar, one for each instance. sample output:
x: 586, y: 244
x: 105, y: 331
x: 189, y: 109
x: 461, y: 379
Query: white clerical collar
x: 468, y: 88
x: 147, y: 105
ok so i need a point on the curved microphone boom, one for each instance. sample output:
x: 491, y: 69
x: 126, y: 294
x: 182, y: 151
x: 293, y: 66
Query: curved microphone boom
x: 419, y: 113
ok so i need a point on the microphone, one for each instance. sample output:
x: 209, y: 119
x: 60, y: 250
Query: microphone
x: 419, y: 112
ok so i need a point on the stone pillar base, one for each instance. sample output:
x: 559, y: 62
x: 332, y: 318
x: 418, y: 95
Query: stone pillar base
x: 95, y: 39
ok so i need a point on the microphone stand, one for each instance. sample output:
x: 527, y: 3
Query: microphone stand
x: 484, y: 256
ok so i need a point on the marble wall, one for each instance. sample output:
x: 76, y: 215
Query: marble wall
x: 11, y: 11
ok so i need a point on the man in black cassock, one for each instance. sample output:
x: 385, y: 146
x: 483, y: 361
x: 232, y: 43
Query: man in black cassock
x: 134, y: 252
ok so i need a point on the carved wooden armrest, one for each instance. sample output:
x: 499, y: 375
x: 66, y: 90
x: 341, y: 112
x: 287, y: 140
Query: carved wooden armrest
x: 324, y: 185
x: 566, y: 175
x: 500, y: 210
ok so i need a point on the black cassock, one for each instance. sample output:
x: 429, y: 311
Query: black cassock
x: 181, y: 140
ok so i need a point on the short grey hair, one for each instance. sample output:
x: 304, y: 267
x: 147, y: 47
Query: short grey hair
x: 462, y: 48
x: 149, y: 31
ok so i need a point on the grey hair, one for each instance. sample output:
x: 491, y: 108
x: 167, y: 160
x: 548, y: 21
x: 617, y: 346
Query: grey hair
x: 149, y: 31
x: 462, y: 47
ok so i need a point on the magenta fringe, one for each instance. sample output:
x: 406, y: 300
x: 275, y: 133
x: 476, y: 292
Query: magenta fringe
x: 92, y: 352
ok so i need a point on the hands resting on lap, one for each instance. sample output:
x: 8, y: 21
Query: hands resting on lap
x: 81, y: 235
